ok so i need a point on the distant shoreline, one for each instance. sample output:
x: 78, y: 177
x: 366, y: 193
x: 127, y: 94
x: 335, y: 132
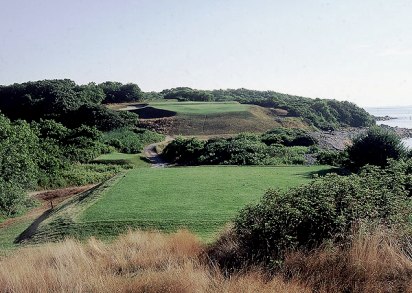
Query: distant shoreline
x: 384, y: 118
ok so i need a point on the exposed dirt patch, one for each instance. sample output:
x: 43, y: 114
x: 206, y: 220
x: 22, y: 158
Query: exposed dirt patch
x: 161, y: 125
x: 48, y: 199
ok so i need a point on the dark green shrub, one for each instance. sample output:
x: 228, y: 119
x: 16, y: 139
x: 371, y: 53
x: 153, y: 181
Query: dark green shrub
x: 184, y: 151
x: 375, y: 147
x: 332, y: 158
x: 244, y: 149
x: 327, y: 208
x: 131, y: 141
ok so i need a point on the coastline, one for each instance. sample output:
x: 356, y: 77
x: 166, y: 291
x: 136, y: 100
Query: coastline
x: 339, y: 139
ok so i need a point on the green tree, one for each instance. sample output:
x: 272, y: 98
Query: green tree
x: 116, y: 92
x: 18, y: 167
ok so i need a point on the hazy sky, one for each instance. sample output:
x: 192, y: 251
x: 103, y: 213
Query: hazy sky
x: 344, y: 49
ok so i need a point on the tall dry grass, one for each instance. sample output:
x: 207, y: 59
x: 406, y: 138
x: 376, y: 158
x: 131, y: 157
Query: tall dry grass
x: 373, y: 262
x: 136, y: 262
x: 179, y: 262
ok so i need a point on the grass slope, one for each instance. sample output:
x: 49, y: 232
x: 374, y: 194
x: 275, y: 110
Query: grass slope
x: 202, y: 199
x: 135, y: 160
x: 213, y: 118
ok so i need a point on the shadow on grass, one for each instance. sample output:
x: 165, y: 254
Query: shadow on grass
x: 26, y: 234
x: 112, y: 162
x: 32, y: 229
x: 324, y: 172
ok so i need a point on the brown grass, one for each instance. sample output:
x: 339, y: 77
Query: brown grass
x: 135, y: 262
x: 373, y: 262
x: 154, y: 262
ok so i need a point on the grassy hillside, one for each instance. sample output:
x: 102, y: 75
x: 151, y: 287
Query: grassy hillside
x: 202, y: 199
x: 212, y: 118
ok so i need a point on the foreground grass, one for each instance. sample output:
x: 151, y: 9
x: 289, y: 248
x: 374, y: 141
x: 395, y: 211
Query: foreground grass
x: 179, y: 262
x: 8, y: 234
x: 200, y: 108
x: 136, y: 262
x: 202, y: 199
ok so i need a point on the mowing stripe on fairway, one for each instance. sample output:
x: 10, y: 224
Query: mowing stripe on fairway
x: 199, y: 198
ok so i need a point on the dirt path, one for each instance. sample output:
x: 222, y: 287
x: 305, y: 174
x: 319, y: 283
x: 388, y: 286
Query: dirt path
x: 48, y: 199
x: 151, y: 153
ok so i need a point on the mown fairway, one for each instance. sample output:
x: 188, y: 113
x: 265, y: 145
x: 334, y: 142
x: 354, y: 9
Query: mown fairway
x: 200, y: 108
x: 202, y: 199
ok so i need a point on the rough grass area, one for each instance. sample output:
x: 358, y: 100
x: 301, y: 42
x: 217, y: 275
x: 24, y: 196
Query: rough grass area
x: 179, y: 263
x: 137, y: 262
x: 201, y: 108
x: 133, y: 160
x: 202, y: 199
x: 217, y: 119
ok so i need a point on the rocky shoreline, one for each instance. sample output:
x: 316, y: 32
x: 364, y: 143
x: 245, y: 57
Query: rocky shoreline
x: 383, y: 118
x: 341, y: 138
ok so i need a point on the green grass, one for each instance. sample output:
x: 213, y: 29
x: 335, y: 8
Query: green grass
x: 136, y: 160
x: 202, y: 199
x: 9, y: 234
x: 201, y: 108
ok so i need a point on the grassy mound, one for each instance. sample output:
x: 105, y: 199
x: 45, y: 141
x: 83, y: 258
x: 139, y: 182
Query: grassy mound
x: 212, y: 118
x: 202, y: 199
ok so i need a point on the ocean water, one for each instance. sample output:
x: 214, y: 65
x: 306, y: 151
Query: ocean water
x: 402, y: 115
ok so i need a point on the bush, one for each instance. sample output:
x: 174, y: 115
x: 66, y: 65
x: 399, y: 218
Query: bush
x: 130, y: 141
x: 244, y: 149
x: 375, y: 147
x: 327, y: 208
x: 18, y: 166
x: 332, y: 158
x: 184, y: 151
x: 80, y: 174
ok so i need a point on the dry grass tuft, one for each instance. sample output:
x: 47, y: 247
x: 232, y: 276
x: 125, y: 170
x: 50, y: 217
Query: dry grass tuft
x: 373, y: 262
x: 135, y: 262
x: 154, y: 262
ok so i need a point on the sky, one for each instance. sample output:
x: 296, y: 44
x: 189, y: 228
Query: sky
x: 360, y: 51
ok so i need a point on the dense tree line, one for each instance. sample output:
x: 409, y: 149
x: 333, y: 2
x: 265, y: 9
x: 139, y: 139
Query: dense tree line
x: 63, y: 100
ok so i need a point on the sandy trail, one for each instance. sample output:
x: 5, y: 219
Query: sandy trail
x: 151, y: 154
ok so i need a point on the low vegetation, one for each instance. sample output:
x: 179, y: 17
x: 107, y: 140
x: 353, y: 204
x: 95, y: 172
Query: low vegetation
x: 326, y: 209
x: 131, y: 141
x: 179, y: 262
x: 280, y: 146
